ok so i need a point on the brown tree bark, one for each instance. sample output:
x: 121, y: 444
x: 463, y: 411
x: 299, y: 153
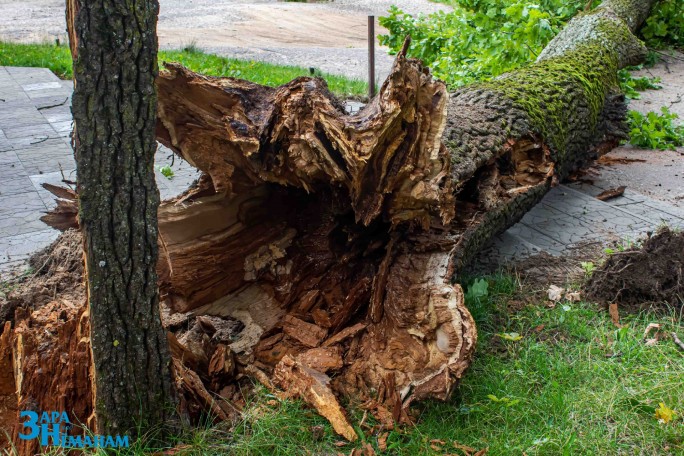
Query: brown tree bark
x: 114, y: 109
x: 335, y: 239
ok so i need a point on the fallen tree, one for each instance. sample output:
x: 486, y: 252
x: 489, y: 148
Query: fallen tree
x: 320, y: 243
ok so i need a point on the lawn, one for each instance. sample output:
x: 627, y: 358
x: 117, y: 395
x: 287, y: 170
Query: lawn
x: 58, y: 59
x: 546, y: 380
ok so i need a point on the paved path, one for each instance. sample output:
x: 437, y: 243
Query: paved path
x: 35, y: 121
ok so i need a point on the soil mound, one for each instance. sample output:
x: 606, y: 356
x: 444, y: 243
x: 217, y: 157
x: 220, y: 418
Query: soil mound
x: 652, y: 273
x: 57, y: 272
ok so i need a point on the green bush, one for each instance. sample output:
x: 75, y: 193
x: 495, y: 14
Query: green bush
x: 664, y: 28
x: 631, y: 85
x: 656, y: 131
x: 479, y: 39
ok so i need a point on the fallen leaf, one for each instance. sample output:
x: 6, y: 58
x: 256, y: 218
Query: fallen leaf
x: 539, y: 328
x: 435, y: 447
x: 555, y: 293
x: 466, y: 449
x: 664, y: 413
x: 382, y: 441
x: 614, y: 314
x: 481, y: 452
x: 573, y: 296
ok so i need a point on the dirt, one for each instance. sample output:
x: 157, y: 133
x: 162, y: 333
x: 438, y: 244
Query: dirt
x: 57, y: 272
x: 653, y: 273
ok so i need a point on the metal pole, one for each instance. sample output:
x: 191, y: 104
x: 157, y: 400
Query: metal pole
x: 371, y: 56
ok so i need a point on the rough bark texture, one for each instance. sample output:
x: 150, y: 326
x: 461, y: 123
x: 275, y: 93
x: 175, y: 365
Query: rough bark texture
x: 318, y: 251
x: 114, y: 108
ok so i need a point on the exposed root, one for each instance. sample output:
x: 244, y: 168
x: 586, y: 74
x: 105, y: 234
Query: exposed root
x: 653, y: 273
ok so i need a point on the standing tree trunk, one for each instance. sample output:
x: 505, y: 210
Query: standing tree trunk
x: 114, y: 109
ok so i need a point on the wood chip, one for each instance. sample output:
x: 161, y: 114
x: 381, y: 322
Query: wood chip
x: 322, y: 359
x: 307, y: 333
x: 611, y: 193
x: 299, y: 380
x: 677, y: 341
x: 345, y: 333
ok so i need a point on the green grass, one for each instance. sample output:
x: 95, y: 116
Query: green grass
x: 58, y: 59
x: 573, y: 385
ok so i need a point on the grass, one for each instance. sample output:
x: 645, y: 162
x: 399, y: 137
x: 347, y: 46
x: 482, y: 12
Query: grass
x: 58, y: 59
x: 574, y: 384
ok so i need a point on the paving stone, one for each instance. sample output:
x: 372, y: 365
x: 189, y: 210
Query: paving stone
x: 57, y: 115
x: 13, y: 177
x: 537, y: 238
x: 656, y: 217
x: 41, y: 86
x: 54, y: 178
x: 5, y: 145
x: 22, y: 246
x: 46, y: 157
x: 30, y: 75
x: 60, y: 100
x: 20, y: 213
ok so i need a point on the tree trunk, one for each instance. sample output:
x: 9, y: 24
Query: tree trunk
x: 114, y: 109
x: 334, y: 239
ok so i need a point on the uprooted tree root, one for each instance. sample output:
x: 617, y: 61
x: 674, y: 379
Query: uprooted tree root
x: 652, y: 273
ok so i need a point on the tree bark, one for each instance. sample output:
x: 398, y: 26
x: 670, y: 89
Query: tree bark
x: 335, y: 239
x: 114, y: 109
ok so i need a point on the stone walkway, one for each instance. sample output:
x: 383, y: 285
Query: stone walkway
x: 35, y: 121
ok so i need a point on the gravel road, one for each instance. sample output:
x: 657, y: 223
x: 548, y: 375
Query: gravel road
x: 330, y: 36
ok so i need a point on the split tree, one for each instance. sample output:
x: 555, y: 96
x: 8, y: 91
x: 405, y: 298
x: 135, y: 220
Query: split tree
x: 334, y: 239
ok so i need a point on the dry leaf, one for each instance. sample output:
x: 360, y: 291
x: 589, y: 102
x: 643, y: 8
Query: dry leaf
x: 573, y: 296
x: 382, y: 441
x: 466, y: 449
x: 555, y: 293
x: 614, y: 314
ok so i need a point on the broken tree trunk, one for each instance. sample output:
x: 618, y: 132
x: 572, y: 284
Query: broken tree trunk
x: 311, y: 220
x: 334, y: 239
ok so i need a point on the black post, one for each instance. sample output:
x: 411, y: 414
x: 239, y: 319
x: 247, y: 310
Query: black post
x: 371, y: 56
